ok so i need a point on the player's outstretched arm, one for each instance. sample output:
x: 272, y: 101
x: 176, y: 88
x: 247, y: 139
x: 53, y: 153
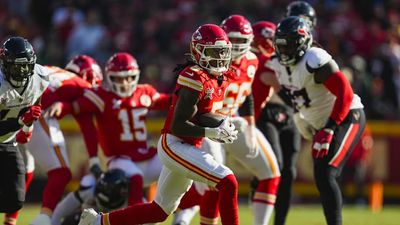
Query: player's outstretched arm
x: 185, y: 110
x: 163, y: 102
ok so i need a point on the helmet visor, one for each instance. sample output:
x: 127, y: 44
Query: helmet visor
x: 285, y: 50
x: 216, y: 58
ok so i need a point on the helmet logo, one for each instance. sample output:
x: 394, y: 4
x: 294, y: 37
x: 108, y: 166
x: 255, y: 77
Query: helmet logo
x: 247, y: 28
x: 197, y: 36
x: 267, y: 32
x: 302, y: 31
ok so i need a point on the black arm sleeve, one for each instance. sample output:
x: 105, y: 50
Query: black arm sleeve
x: 247, y: 108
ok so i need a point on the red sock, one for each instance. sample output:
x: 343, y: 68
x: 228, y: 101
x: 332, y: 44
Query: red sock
x: 266, y: 191
x: 190, y: 199
x: 228, y: 205
x: 135, y: 190
x: 209, y: 208
x: 56, y: 182
x: 136, y: 214
x: 11, y: 218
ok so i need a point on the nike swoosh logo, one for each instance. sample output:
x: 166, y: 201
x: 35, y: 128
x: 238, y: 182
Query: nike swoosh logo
x: 190, y: 74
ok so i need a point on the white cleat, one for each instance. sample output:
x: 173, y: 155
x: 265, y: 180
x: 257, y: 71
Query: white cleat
x: 89, y: 217
x: 41, y: 219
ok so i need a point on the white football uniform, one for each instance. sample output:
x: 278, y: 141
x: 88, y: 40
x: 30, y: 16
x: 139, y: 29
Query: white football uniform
x: 312, y: 101
x: 13, y: 104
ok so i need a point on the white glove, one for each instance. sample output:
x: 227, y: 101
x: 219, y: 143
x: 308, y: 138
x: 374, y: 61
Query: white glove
x: 225, y: 133
x: 240, y: 123
x: 251, y: 140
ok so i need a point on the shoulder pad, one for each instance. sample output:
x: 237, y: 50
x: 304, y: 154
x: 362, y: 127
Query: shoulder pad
x: 250, y: 55
x: 316, y: 57
x: 42, y: 71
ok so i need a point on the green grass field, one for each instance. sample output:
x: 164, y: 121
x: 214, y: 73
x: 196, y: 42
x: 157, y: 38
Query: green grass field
x: 299, y: 215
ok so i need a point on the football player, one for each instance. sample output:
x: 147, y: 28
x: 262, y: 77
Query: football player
x: 274, y: 117
x: 120, y: 108
x: 22, y: 82
x: 109, y: 192
x: 251, y: 149
x: 47, y: 144
x: 327, y: 111
x: 200, y: 89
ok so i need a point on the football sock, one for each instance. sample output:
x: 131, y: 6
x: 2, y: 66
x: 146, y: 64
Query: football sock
x: 209, y: 208
x: 264, y: 200
x: 190, y: 199
x: 228, y: 205
x: 54, y: 189
x: 135, y: 214
x: 135, y: 190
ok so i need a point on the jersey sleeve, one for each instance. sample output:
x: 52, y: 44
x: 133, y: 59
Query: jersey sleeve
x: 91, y: 102
x: 317, y: 57
x: 88, y: 129
x: 190, y: 79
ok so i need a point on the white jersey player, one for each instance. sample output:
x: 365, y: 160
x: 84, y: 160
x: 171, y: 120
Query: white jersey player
x: 22, y: 83
x: 328, y: 112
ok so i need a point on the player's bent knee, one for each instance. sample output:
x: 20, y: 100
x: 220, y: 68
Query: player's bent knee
x: 228, y: 183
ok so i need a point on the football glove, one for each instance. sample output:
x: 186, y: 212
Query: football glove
x: 225, y: 133
x: 321, y: 142
x: 251, y: 139
x: 24, y: 135
x: 31, y: 115
x: 94, y: 167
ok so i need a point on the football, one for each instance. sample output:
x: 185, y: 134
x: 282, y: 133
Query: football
x: 209, y: 119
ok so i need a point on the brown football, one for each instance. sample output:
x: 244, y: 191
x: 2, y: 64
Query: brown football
x: 210, y: 119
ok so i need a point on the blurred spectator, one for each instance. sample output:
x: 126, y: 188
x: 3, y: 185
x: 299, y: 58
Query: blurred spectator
x: 87, y: 37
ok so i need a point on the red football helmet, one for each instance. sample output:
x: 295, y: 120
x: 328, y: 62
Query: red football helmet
x: 240, y: 34
x: 211, y: 49
x: 264, y: 32
x: 122, y: 74
x: 87, y: 68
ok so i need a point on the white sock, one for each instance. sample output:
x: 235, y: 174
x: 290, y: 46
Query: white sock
x: 262, y: 213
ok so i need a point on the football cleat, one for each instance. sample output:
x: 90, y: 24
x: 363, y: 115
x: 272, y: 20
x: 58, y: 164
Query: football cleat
x: 89, y: 217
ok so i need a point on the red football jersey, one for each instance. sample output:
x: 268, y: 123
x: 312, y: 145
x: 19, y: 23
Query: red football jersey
x: 121, y: 121
x: 63, y: 86
x: 211, y: 96
x: 261, y: 91
x: 239, y: 83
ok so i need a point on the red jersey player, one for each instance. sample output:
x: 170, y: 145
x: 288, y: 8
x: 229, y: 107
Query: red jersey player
x: 47, y: 144
x: 120, y: 108
x: 251, y: 148
x: 200, y: 89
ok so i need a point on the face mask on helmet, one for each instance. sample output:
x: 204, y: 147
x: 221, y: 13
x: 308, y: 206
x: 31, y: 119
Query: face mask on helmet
x: 292, y: 40
x: 211, y: 49
x: 17, y: 61
x: 111, y: 190
x: 122, y: 74
x: 216, y: 59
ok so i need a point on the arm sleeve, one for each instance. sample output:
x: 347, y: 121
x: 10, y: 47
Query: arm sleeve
x: 247, y: 108
x: 338, y: 85
x: 89, y: 133
x: 162, y: 102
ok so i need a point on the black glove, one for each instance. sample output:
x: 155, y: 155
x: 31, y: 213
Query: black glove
x: 95, y: 168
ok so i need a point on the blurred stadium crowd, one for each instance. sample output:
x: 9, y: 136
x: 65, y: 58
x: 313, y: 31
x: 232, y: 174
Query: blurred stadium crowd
x: 363, y: 35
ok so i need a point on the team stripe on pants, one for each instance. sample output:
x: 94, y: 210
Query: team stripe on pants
x: 187, y: 164
x: 345, y: 145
